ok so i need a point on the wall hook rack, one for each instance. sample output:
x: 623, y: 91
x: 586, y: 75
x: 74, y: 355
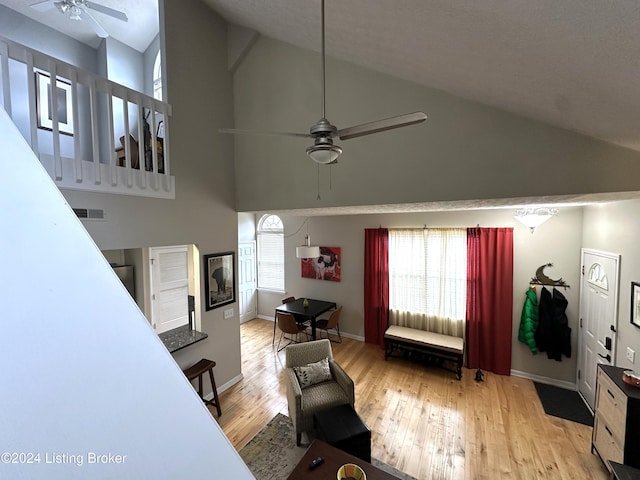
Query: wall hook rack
x: 542, y: 279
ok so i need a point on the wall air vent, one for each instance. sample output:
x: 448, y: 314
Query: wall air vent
x: 89, y: 213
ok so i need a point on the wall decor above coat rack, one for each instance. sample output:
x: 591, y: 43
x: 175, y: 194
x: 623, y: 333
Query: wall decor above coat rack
x: 542, y: 279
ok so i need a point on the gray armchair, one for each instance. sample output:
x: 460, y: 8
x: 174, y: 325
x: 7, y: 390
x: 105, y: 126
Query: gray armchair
x: 303, y: 403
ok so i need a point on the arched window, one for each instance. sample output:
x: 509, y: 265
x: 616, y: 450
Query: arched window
x: 271, y: 253
x: 157, y: 78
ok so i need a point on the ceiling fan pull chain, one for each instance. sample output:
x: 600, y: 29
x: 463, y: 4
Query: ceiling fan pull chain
x: 330, y: 177
x: 318, y: 182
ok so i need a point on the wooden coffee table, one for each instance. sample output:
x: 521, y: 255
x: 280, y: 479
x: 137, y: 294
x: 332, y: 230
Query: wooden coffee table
x: 333, y: 460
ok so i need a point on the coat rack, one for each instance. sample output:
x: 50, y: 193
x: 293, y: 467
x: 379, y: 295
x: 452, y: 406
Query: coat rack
x: 542, y: 279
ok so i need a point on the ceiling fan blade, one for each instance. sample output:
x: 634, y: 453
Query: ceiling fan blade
x: 42, y: 6
x: 262, y: 132
x: 107, y: 11
x: 381, y: 125
x: 101, y: 32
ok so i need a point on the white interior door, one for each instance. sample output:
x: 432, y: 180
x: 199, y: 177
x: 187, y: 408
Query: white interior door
x: 247, y: 283
x: 598, y: 318
x: 169, y: 287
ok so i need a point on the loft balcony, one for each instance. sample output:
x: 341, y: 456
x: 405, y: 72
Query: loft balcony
x: 87, y: 135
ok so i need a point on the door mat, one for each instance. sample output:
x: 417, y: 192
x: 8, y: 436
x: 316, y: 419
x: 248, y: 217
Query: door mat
x: 272, y: 454
x: 563, y: 403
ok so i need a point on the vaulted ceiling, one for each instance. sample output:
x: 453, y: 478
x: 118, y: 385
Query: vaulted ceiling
x: 573, y: 64
x: 570, y: 63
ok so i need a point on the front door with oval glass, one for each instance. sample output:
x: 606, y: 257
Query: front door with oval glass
x: 598, y: 318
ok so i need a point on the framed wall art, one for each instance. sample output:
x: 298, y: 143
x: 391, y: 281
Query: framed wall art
x: 63, y: 100
x: 219, y: 279
x: 635, y: 304
x: 324, y: 267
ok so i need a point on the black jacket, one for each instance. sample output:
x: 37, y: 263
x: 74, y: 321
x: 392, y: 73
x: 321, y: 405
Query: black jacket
x: 544, y: 334
x: 553, y: 334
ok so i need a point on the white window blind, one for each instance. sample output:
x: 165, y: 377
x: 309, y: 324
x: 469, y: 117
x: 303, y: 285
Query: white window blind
x: 428, y: 279
x: 271, y: 253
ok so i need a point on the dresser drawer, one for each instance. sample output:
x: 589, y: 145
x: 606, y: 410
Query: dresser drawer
x: 608, y: 444
x: 611, y: 404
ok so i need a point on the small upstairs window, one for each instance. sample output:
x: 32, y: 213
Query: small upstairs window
x: 157, y: 77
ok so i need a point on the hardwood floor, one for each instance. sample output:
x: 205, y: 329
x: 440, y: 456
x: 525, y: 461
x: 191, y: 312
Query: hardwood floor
x: 423, y: 421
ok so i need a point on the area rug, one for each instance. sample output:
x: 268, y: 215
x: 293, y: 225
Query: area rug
x: 272, y: 454
x: 563, y: 403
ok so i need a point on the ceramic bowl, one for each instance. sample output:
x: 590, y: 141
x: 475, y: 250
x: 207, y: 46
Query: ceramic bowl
x: 351, y: 471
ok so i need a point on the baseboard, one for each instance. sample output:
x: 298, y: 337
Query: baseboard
x: 549, y: 381
x: 225, y: 386
x: 348, y: 335
x: 353, y: 337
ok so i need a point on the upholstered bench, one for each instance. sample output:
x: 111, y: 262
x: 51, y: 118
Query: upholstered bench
x: 343, y: 428
x: 441, y: 346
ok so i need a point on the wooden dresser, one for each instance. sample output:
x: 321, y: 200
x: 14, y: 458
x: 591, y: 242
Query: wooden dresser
x: 616, y: 427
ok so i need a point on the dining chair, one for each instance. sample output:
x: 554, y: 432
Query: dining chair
x: 331, y: 323
x: 288, y: 326
x: 275, y: 320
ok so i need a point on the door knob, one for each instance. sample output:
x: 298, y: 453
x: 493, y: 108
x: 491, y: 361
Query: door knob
x: 607, y: 357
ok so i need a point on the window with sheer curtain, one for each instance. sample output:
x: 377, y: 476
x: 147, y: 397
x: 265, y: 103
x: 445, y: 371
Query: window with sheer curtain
x: 270, y: 234
x: 428, y: 279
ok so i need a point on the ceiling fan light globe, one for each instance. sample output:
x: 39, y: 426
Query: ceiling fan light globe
x: 75, y: 13
x: 324, y: 154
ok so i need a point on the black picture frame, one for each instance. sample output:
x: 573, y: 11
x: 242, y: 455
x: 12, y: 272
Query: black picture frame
x: 635, y: 304
x: 44, y: 104
x: 219, y: 279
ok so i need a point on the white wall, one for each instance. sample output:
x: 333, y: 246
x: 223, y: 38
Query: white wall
x: 614, y: 228
x: 203, y: 212
x: 558, y: 241
x: 83, y: 373
x: 464, y: 151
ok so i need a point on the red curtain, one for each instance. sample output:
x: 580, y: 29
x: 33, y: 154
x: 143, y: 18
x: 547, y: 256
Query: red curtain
x: 489, y: 298
x: 376, y: 284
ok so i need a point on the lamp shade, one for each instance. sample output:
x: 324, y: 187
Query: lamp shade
x: 308, y: 252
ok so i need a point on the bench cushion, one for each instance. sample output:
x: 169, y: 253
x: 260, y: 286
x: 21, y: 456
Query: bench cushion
x: 421, y: 337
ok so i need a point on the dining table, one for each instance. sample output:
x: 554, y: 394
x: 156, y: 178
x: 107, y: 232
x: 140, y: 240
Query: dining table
x: 306, y: 309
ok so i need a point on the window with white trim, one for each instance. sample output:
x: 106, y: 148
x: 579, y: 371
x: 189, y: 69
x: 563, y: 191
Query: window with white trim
x: 157, y: 77
x: 270, y: 236
x: 428, y: 278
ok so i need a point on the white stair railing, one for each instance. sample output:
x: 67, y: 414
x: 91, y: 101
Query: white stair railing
x: 94, y: 134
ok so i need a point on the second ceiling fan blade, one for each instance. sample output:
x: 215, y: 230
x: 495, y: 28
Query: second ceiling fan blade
x: 101, y: 32
x: 107, y: 11
x: 381, y: 125
x: 262, y: 132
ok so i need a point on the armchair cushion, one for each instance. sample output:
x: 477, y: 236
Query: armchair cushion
x: 313, y: 373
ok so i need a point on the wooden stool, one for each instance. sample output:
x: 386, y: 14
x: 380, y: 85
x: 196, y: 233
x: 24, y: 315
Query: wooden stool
x: 198, y: 370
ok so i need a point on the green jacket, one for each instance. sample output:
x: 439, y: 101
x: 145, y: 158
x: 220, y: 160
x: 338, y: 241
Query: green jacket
x: 529, y: 320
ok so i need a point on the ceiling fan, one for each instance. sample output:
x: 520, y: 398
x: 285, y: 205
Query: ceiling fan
x: 79, y: 10
x: 323, y: 151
